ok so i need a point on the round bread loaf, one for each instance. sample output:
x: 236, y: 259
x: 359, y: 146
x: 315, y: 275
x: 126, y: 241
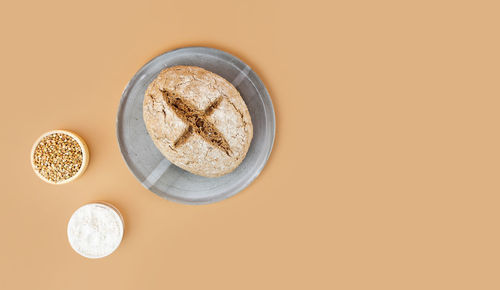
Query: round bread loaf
x: 197, y: 120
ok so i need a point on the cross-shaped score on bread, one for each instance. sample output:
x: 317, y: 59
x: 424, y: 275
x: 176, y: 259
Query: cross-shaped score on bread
x: 197, y: 121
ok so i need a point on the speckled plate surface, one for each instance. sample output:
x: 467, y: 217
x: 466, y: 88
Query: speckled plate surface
x: 164, y: 178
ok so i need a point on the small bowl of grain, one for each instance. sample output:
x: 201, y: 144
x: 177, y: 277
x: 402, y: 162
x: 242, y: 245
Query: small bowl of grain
x: 59, y: 156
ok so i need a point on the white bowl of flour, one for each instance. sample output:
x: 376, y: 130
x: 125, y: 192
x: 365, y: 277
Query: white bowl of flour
x: 95, y: 230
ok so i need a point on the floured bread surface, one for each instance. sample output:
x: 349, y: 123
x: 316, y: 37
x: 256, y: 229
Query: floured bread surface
x: 198, y: 120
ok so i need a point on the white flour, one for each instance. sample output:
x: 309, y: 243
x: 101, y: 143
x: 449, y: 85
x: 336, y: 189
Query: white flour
x: 95, y: 230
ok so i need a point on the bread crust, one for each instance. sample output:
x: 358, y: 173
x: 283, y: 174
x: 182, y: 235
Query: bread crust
x: 178, y: 97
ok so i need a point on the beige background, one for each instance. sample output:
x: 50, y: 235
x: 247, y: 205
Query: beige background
x: 384, y: 173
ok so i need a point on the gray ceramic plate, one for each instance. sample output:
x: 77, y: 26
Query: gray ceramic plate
x: 162, y: 177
